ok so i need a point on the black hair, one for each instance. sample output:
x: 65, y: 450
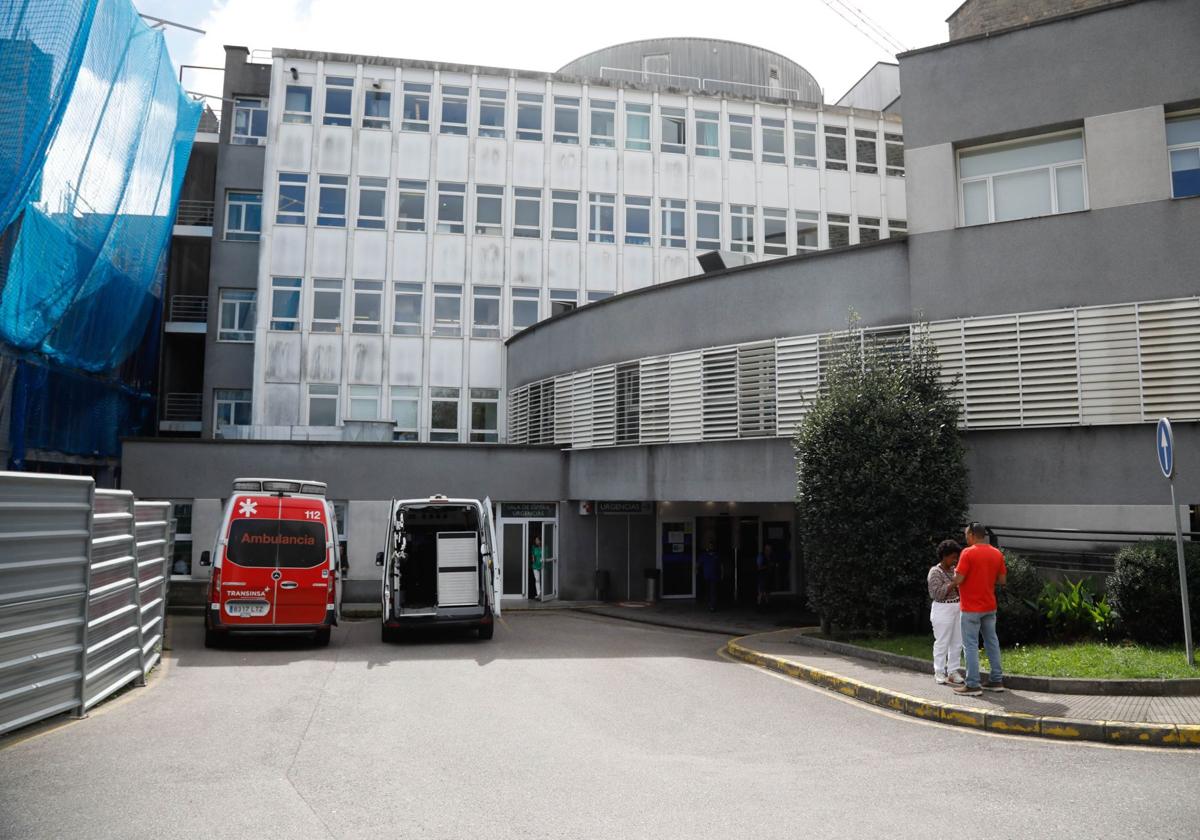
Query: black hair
x: 978, y: 531
x: 947, y: 547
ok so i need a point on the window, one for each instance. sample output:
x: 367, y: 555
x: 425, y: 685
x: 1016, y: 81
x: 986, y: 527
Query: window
x: 368, y: 306
x: 406, y: 312
x: 443, y: 414
x: 447, y: 309
x: 331, y: 202
x: 236, y: 308
x: 326, y: 306
x: 491, y: 113
x: 339, y: 519
x: 897, y: 227
x: 807, y: 231
x: 377, y: 108
x: 243, y: 216
x: 489, y: 210
x: 285, y: 303
x: 372, y: 203
x: 673, y: 213
x: 637, y: 126
x: 231, y: 407
x: 741, y: 137
x: 249, y: 122
x: 566, y: 119
x: 602, y: 210
x: 1183, y: 146
x: 322, y: 405
x: 775, y: 230
x: 524, y: 308
x: 804, y: 138
x: 564, y: 215
x: 893, y: 147
x: 527, y: 212
x: 451, y: 207
x: 293, y: 191
x: 835, y: 148
x: 708, y: 226
x: 297, y: 104
x: 416, y: 107
x: 485, y: 305
x: 637, y: 220
x: 868, y: 229
x: 181, y: 554
x: 485, y: 405
x: 603, y: 123
x: 406, y: 401
x: 563, y: 300
x: 593, y: 297
x: 410, y: 210
x: 864, y: 152
x: 1035, y: 177
x: 339, y: 92
x: 454, y: 110
x: 708, y: 132
x: 839, y: 229
x: 673, y: 122
x: 364, y: 402
x: 529, y: 116
x: 772, y: 141
x: 741, y: 228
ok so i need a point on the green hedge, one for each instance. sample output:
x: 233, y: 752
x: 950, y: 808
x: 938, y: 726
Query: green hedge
x: 1144, y: 590
x: 1019, y: 619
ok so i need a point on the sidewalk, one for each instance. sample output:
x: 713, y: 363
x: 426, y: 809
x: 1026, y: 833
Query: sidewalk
x: 1161, y: 721
x: 690, y: 615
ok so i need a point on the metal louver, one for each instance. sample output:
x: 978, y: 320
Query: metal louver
x: 628, y: 403
x: 947, y: 337
x: 797, y: 379
x: 655, y: 400
x: 756, y: 389
x: 581, y: 410
x: 518, y: 415
x: 685, y: 397
x: 1049, y: 368
x: 993, y: 377
x: 720, y: 404
x: 604, y: 406
x: 1109, y: 379
x: 564, y: 419
x: 1169, y: 333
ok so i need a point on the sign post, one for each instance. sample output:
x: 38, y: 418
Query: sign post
x: 1165, y: 449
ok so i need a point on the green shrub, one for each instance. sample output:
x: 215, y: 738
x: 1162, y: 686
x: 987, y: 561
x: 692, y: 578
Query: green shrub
x: 881, y: 479
x: 1018, y: 618
x: 1144, y: 589
x: 1072, y: 612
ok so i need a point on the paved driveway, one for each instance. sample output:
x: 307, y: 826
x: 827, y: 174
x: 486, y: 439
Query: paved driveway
x: 565, y: 725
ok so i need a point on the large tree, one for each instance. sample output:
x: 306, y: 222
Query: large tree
x: 881, y: 479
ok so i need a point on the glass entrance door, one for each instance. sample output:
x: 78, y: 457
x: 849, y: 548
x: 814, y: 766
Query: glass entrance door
x: 513, y: 541
x: 549, y: 558
x: 678, y: 560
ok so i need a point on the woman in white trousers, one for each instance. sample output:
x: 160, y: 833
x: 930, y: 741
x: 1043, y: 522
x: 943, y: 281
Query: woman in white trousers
x: 944, y: 615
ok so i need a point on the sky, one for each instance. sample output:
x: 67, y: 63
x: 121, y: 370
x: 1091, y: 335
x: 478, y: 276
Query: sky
x: 544, y: 35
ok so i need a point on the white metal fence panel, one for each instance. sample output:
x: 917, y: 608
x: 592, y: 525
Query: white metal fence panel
x: 686, y: 397
x: 797, y: 379
x: 655, y: 400
x: 45, y: 523
x: 155, y: 537
x: 1170, y: 358
x: 1049, y: 368
x: 1109, y: 377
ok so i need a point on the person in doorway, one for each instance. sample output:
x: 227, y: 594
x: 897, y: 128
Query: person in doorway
x: 980, y: 570
x: 535, y: 563
x: 710, y: 567
x: 945, y: 615
x: 763, y: 567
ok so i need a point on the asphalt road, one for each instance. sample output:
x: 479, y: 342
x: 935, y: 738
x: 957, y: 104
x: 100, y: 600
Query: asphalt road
x: 565, y: 725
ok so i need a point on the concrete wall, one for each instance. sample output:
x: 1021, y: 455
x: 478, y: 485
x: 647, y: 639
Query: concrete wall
x: 1114, y: 60
x: 788, y: 296
x: 975, y: 17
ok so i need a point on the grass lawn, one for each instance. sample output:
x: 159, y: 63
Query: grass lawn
x: 1085, y: 659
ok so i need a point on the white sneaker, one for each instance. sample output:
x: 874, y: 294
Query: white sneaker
x: 940, y: 679
x: 956, y: 678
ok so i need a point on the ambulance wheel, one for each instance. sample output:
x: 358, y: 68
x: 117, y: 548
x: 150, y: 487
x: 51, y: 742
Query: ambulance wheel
x: 389, y: 635
x: 486, y: 631
x: 321, y: 637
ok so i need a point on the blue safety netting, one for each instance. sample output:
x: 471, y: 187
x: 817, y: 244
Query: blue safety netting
x: 95, y: 134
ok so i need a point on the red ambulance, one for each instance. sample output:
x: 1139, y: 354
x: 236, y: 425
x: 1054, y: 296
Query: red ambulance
x: 275, y: 563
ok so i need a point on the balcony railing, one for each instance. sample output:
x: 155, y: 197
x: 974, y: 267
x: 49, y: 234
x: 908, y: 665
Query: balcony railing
x: 181, y: 407
x: 193, y: 308
x: 195, y: 213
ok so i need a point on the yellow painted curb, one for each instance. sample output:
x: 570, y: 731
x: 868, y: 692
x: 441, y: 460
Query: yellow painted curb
x: 1009, y: 723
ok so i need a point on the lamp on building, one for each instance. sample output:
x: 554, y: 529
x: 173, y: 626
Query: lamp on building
x: 376, y: 84
x: 295, y: 75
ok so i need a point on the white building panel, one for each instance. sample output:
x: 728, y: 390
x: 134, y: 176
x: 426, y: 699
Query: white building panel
x: 638, y: 268
x: 452, y: 158
x: 602, y: 170
x: 374, y: 152
x: 565, y: 165
x: 806, y: 189
x: 672, y: 177
x: 329, y: 252
x: 774, y: 186
x: 487, y: 260
x: 491, y: 161
x: 676, y: 264
x: 412, y: 154
x: 602, y: 268
x: 708, y: 178
x: 639, y: 173
x: 564, y: 265
x: 282, y: 352
x: 449, y: 259
x: 405, y: 357
x: 370, y: 254
x: 281, y: 405
x: 287, y: 251
x: 867, y: 199
x: 837, y: 192
x: 333, y: 157
x: 293, y: 152
x: 487, y: 359
x: 895, y: 199
x: 409, y: 257
x: 741, y: 182
x: 528, y: 163
x: 323, y: 358
x: 364, y: 359
x: 526, y: 262
x: 445, y: 362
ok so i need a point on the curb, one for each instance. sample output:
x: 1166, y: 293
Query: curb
x: 658, y: 621
x: 1009, y: 723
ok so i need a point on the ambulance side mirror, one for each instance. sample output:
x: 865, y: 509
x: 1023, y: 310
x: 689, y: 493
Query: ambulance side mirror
x: 379, y: 558
x: 205, y: 558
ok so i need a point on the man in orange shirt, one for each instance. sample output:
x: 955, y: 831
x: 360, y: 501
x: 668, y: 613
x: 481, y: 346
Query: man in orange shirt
x: 980, y: 569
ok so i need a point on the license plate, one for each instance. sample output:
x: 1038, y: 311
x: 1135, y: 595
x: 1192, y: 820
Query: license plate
x: 247, y: 609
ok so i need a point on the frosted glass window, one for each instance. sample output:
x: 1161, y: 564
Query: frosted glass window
x: 637, y: 126
x: 364, y: 402
x: 1021, y: 195
x: 1035, y: 177
x: 1069, y: 181
x: 975, y: 203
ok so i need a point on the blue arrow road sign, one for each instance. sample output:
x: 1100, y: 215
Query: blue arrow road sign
x: 1165, y: 444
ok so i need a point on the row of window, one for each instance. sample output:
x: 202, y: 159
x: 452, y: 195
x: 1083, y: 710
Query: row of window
x: 678, y: 130
x: 744, y: 223
x: 325, y: 311
x: 326, y: 404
